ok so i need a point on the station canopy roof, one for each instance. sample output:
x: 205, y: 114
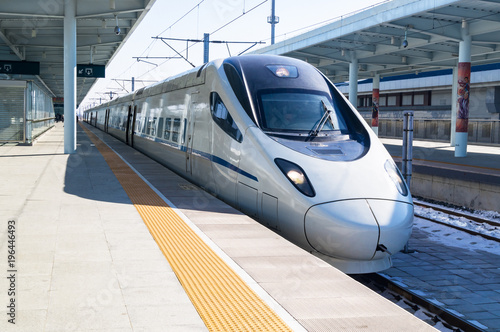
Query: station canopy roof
x: 34, y: 31
x: 375, y: 36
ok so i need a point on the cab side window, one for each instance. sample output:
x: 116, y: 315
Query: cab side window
x: 222, y: 118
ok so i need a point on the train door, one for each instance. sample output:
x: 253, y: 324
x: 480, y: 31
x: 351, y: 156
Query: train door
x: 190, y: 132
x: 131, y: 124
x: 106, y: 120
x: 129, y: 120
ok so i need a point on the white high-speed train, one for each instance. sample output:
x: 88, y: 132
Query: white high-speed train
x: 274, y: 138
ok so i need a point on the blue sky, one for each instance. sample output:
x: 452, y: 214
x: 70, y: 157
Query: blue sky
x: 295, y: 17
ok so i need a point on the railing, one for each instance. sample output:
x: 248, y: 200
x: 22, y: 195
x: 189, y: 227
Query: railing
x: 481, y: 131
x: 38, y: 127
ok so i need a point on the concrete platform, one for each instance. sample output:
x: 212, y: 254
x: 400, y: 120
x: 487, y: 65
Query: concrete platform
x: 85, y: 261
x: 458, y: 278
x: 472, y: 181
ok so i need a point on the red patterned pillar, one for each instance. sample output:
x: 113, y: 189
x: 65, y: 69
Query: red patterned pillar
x: 463, y: 93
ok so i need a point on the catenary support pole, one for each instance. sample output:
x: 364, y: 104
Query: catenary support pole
x: 406, y: 162
x: 464, y: 69
x: 375, y: 102
x: 206, y: 47
x: 353, y: 82
x: 273, y: 20
x: 407, y: 159
x: 69, y: 76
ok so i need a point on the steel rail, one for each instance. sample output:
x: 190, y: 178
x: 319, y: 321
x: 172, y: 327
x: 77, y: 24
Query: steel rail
x: 458, y: 214
x: 441, y: 315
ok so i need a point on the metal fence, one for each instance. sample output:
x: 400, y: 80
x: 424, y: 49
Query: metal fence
x: 481, y: 131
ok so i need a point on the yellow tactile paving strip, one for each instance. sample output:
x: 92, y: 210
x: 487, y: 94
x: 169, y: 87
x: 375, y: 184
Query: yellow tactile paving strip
x: 223, y: 300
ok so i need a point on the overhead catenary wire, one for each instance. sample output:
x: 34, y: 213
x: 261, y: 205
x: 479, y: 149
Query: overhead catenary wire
x: 238, y: 17
x: 189, y: 46
x: 436, y: 23
x: 222, y: 27
x: 154, y: 40
x: 213, y: 32
x: 186, y: 14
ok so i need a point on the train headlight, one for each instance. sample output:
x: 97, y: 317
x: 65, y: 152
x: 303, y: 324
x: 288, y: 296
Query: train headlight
x: 296, y: 176
x: 396, y: 177
x: 283, y: 71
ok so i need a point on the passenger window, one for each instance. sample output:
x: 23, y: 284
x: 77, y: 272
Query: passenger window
x: 160, y: 127
x: 151, y: 129
x: 176, y: 129
x: 224, y: 120
x: 138, y: 122
x: 168, y: 125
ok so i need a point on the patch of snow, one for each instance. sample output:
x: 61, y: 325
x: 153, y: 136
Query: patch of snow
x: 400, y: 284
x: 421, y: 314
x: 403, y: 304
x: 455, y: 238
x: 463, y: 222
x: 454, y: 312
x: 418, y: 292
x: 440, y: 327
x: 475, y: 322
x: 436, y: 302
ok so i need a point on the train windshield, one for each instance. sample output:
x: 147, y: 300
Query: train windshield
x: 303, y: 112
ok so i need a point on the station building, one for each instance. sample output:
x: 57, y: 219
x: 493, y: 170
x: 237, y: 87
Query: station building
x: 429, y: 95
x: 413, y: 55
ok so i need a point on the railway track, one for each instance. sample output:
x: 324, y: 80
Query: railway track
x: 475, y: 221
x: 425, y: 309
x: 422, y: 303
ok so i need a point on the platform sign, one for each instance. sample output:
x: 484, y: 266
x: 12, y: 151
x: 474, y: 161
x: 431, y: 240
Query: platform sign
x: 19, y: 67
x: 90, y: 70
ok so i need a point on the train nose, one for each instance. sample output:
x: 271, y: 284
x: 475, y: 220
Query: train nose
x: 353, y: 229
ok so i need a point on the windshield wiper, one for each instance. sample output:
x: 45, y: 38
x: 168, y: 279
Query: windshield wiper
x: 322, y: 121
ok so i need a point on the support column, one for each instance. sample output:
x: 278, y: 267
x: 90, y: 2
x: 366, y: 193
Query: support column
x: 454, y: 88
x: 375, y: 102
x: 69, y: 76
x: 273, y: 20
x: 464, y: 66
x: 353, y: 82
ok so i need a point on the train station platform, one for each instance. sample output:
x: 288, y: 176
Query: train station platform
x: 95, y: 245
x: 472, y: 181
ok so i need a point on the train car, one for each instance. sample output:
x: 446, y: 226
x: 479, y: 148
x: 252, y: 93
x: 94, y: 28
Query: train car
x: 274, y: 138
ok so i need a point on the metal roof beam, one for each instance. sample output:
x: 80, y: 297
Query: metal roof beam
x: 11, y: 45
x: 425, y: 27
x: 332, y: 59
x: 462, y: 12
x: 482, y: 27
x: 493, y: 2
x: 109, y: 13
x: 30, y: 15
